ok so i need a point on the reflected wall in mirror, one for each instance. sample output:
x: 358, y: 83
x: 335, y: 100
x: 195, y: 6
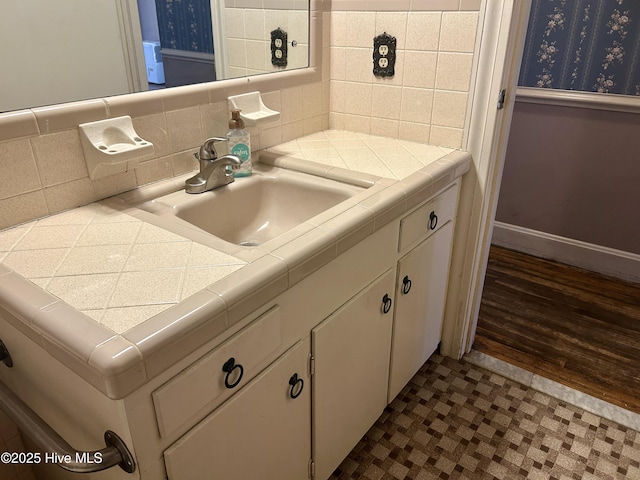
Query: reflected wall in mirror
x: 77, y: 50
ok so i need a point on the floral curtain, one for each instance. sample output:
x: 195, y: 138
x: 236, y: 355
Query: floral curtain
x: 586, y: 45
x: 185, y: 25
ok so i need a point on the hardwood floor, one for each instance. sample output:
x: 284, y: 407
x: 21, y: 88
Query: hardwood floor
x: 575, y: 327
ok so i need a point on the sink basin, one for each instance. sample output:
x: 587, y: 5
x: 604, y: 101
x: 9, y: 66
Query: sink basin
x: 253, y: 210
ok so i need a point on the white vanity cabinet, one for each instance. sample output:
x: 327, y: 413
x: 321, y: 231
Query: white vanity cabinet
x: 287, y: 391
x: 421, y: 287
x: 351, y: 355
x: 345, y: 311
x: 263, y: 431
x: 361, y: 351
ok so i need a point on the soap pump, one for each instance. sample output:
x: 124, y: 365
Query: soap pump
x: 239, y: 143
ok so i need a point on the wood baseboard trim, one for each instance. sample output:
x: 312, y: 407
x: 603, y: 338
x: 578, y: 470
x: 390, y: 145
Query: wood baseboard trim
x: 608, y: 261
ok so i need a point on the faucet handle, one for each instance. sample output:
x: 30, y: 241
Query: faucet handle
x: 207, y: 150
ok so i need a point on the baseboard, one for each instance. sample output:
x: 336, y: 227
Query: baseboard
x: 608, y: 261
x: 187, y: 68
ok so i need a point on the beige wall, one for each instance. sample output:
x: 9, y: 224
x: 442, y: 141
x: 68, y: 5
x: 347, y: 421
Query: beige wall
x: 573, y: 172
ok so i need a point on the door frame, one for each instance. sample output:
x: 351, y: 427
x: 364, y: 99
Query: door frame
x: 131, y: 34
x: 219, y: 26
x: 501, y: 33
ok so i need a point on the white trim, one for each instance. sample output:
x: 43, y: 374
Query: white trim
x: 608, y: 261
x: 219, y: 23
x: 131, y: 35
x: 499, y: 54
x: 570, y: 98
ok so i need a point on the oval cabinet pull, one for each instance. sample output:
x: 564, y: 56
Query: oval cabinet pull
x: 228, y: 367
x: 297, y: 385
x: 433, y: 220
x: 386, y: 303
x: 406, y: 284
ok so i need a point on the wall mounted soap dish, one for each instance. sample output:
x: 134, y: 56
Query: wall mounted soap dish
x: 253, y: 110
x: 112, y: 146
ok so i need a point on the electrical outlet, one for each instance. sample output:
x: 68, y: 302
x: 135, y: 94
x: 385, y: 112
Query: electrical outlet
x: 384, y: 55
x: 279, y: 48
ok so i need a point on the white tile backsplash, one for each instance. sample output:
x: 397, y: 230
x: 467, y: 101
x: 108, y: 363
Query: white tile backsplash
x: 42, y: 168
x: 254, y: 24
x: 458, y: 31
x: 432, y: 78
x: 454, y: 71
x: 361, y: 27
x: 248, y: 38
x: 423, y: 71
x: 386, y: 101
x: 417, y: 105
x: 423, y: 31
x: 18, y: 171
x: 449, y: 108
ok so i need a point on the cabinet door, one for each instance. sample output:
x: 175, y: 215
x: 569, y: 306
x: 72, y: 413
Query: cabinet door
x: 264, y: 431
x: 351, y: 350
x: 423, y: 275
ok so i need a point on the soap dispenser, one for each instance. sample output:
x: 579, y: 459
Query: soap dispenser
x: 239, y: 144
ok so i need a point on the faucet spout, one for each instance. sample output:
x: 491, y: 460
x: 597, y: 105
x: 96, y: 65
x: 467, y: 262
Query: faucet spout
x: 214, y: 171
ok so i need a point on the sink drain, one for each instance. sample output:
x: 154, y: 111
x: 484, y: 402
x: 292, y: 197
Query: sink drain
x: 248, y: 243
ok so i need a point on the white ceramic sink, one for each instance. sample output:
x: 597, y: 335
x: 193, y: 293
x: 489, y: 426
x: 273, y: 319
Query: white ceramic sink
x: 253, y: 210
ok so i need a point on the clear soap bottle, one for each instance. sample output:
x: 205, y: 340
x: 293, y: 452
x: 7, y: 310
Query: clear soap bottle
x: 239, y: 144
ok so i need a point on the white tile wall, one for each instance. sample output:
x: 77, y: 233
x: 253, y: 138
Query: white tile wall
x: 45, y: 174
x: 249, y: 39
x: 426, y: 100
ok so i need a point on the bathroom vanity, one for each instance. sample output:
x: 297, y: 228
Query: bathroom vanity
x: 277, y: 368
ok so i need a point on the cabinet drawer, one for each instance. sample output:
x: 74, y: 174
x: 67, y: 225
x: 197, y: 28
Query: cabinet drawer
x: 195, y: 392
x: 263, y: 432
x: 428, y: 218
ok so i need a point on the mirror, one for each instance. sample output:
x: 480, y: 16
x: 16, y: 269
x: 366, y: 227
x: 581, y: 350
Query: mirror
x: 77, y: 50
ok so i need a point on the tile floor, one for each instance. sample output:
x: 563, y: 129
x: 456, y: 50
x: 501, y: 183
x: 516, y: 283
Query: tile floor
x: 459, y: 421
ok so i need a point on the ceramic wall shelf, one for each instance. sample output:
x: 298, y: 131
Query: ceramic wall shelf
x: 253, y: 110
x: 112, y: 146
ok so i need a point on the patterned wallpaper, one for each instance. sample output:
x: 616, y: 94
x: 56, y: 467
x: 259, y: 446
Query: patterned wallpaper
x: 586, y: 45
x: 185, y: 25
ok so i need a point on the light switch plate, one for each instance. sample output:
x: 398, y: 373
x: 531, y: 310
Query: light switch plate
x: 384, y: 55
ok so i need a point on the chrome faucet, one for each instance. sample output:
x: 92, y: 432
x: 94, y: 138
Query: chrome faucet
x: 214, y: 170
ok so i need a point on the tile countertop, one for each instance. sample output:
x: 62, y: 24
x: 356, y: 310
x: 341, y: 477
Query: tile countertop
x: 384, y: 157
x: 83, y: 283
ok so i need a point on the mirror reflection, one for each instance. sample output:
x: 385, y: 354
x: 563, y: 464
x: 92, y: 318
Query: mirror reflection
x: 76, y: 50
